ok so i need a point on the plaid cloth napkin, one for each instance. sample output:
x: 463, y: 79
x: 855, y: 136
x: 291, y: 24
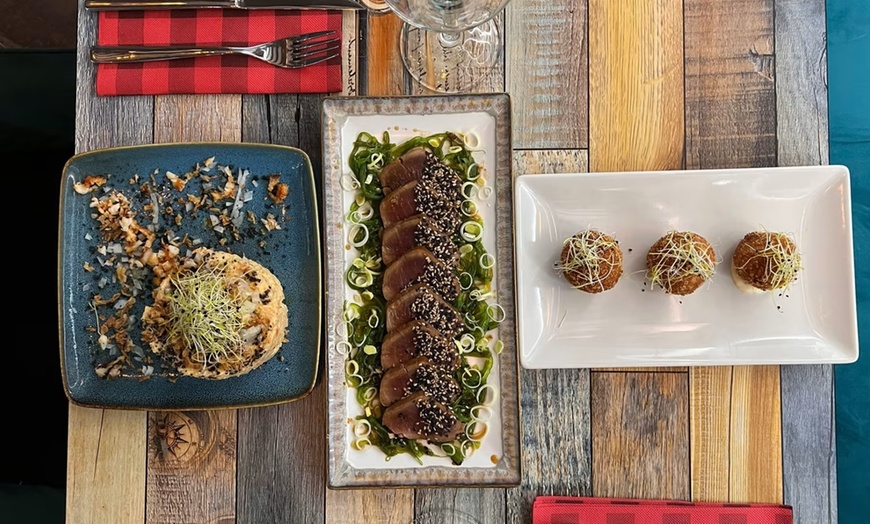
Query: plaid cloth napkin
x: 213, y: 74
x: 578, y: 510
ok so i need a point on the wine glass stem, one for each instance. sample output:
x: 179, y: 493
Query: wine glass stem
x: 450, y: 39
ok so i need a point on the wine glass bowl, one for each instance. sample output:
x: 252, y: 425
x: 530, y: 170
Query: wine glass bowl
x: 449, y: 46
x: 446, y: 15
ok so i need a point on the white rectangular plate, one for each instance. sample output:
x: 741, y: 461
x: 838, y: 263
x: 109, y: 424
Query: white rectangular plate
x: 496, y: 462
x: 633, y: 325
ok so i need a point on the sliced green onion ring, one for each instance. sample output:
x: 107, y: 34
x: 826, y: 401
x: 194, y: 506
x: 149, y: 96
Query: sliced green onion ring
x: 485, y: 192
x: 480, y: 413
x: 374, y: 321
x: 354, y: 232
x: 468, y: 208
x: 448, y: 448
x: 498, y: 347
x: 369, y: 394
x: 365, y: 212
x: 487, y: 261
x: 471, y: 231
x: 343, y: 347
x: 475, y: 375
x: 360, y: 444
x: 464, y: 249
x: 476, y: 431
x: 464, y: 277
x: 362, y: 428
x: 454, y: 149
x: 469, y: 190
x: 483, y: 393
x: 361, y: 278
x: 485, y: 296
x: 351, y: 368
x: 348, y: 182
x: 351, y: 313
x: 473, y: 172
x: 465, y: 344
x: 471, y: 140
x: 466, y: 449
x: 376, y: 161
x: 496, y: 312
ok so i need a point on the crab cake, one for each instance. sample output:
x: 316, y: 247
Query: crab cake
x: 591, y: 261
x: 219, y: 316
x: 765, y: 261
x: 680, y: 262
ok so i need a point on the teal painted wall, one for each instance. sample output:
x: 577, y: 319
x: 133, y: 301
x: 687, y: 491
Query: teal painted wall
x: 849, y: 110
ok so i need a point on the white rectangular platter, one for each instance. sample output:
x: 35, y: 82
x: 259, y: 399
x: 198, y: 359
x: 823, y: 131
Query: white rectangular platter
x: 633, y: 325
x: 496, y: 462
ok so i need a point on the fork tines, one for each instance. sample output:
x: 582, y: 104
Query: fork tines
x: 308, y: 50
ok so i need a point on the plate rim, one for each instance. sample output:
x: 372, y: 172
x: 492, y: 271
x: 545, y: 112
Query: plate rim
x: 318, y: 345
x: 851, y: 350
x: 508, y: 472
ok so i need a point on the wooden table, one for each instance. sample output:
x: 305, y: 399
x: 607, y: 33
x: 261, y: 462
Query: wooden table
x: 602, y: 85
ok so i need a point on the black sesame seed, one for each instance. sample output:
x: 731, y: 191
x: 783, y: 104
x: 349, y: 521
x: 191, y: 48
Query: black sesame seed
x: 435, y: 419
x: 439, y: 351
x: 430, y: 309
x: 440, y: 277
x: 430, y: 236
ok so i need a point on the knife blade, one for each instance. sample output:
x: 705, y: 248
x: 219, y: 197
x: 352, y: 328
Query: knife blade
x: 103, y: 5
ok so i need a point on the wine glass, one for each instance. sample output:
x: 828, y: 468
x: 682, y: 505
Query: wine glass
x: 449, y: 46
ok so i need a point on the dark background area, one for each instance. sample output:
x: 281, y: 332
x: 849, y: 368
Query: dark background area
x: 37, y: 129
x: 37, y: 126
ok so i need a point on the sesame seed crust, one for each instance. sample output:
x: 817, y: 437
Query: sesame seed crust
x: 429, y: 235
x: 428, y: 308
x: 440, y: 277
x: 438, y: 350
x: 443, y: 211
x: 435, y: 419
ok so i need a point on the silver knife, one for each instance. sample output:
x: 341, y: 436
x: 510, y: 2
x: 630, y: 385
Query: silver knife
x: 103, y: 5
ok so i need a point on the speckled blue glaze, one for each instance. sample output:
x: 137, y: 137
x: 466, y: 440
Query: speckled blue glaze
x: 292, y: 253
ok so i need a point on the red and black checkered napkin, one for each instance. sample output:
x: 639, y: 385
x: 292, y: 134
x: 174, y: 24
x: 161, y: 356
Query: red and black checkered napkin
x: 578, y: 510
x: 213, y: 74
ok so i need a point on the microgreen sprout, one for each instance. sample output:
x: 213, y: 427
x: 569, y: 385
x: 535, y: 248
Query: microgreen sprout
x: 783, y: 261
x: 590, y: 260
x: 681, y: 256
x: 206, y: 315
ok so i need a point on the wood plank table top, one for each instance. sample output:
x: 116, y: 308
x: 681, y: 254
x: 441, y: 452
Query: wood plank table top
x: 598, y: 85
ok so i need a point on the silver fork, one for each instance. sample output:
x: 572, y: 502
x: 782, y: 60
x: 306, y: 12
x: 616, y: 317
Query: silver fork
x: 293, y: 52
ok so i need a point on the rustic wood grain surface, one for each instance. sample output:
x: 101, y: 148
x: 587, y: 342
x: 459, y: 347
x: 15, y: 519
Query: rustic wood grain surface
x: 600, y: 84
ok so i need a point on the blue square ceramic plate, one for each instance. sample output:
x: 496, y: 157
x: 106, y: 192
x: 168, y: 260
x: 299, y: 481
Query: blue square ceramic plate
x: 291, y: 251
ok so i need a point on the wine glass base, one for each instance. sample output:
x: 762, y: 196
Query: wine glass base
x: 451, y: 62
